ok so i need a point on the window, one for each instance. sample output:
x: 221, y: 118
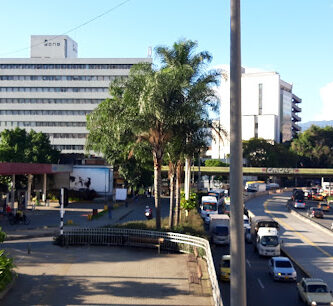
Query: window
x: 260, y: 99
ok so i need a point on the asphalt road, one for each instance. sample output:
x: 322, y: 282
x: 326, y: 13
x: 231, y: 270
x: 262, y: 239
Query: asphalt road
x: 262, y: 290
x: 139, y: 208
x: 328, y: 216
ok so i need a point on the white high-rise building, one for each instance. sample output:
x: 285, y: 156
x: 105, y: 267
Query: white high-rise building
x: 269, y: 109
x: 54, y: 90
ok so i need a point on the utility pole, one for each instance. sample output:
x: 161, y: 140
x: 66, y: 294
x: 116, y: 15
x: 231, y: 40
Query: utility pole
x: 237, y: 247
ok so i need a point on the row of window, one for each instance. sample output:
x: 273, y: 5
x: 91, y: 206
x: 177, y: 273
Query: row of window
x: 53, y: 89
x: 66, y: 66
x: 68, y: 135
x: 34, y: 124
x: 60, y: 77
x: 68, y: 147
x: 50, y: 101
x: 45, y: 112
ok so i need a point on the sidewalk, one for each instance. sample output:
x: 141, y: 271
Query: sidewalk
x: 50, y: 230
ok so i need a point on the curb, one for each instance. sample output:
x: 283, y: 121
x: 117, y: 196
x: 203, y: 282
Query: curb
x: 283, y: 250
x: 312, y: 222
x: 29, y: 236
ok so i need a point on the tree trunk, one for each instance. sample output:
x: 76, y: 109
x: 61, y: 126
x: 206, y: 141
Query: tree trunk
x: 157, y: 187
x: 187, y: 181
x: 178, y: 182
x: 172, y: 194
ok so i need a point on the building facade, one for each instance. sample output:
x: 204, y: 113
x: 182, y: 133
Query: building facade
x: 269, y: 109
x: 54, y: 90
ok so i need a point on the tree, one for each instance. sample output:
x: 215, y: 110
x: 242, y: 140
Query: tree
x: 19, y: 146
x: 315, y: 147
x: 144, y: 109
x: 259, y: 152
x: 215, y: 163
x: 198, y: 97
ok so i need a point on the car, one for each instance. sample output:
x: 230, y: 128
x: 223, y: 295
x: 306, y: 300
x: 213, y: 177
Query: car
x: 324, y: 206
x: 247, y: 233
x: 246, y: 220
x: 315, y: 212
x: 282, y: 269
x: 317, y: 197
x: 314, y: 291
x: 225, y: 268
x: 299, y: 204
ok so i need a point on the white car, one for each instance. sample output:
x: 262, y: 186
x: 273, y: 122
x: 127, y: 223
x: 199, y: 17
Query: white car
x: 282, y: 269
x: 299, y: 204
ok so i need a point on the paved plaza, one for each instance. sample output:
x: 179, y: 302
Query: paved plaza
x: 53, y: 275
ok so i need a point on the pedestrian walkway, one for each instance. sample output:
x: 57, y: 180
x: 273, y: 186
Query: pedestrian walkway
x: 74, y: 212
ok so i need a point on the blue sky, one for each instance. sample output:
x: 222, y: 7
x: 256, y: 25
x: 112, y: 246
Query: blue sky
x: 292, y: 37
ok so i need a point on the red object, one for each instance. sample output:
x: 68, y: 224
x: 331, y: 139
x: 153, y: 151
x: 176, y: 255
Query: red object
x: 8, y: 209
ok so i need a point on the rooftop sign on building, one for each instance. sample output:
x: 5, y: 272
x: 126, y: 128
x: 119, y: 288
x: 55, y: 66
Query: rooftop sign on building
x: 53, y: 46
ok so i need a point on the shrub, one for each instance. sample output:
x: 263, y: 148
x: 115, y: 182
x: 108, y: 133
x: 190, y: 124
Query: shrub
x: 6, y: 266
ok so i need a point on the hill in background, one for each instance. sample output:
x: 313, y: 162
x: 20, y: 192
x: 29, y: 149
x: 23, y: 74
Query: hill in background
x: 306, y: 125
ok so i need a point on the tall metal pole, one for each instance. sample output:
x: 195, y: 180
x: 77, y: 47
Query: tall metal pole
x: 237, y: 247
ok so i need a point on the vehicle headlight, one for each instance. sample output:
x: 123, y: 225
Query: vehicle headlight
x: 313, y: 303
x: 278, y: 274
x: 331, y: 303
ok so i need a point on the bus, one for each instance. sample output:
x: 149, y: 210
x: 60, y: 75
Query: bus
x: 209, y: 205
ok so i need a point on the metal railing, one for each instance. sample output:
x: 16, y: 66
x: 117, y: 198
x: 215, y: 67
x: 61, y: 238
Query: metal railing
x: 172, y: 241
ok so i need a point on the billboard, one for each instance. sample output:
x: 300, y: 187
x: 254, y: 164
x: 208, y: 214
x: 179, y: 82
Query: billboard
x: 99, y: 178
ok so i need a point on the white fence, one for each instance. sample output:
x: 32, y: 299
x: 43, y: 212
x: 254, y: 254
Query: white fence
x: 172, y: 241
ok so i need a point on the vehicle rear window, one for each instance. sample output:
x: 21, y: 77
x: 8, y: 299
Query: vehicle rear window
x: 283, y: 264
x: 317, y: 288
x: 226, y: 263
x: 209, y: 206
x: 222, y: 230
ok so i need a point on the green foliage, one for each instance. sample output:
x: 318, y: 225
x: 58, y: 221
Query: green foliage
x: 19, y: 146
x: 2, y: 235
x: 259, y: 152
x: 189, y: 204
x: 6, y: 266
x: 315, y: 147
x: 215, y: 163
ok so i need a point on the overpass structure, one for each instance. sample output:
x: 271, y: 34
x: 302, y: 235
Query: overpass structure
x: 313, y: 172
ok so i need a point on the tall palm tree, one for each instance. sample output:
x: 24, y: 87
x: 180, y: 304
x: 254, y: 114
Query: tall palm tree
x: 198, y: 97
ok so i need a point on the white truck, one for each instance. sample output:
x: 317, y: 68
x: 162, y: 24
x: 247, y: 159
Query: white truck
x: 265, y: 236
x: 219, y: 228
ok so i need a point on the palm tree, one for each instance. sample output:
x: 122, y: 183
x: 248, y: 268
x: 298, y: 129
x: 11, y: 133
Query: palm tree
x: 198, y: 97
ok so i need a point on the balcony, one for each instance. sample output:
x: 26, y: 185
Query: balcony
x: 295, y: 127
x: 296, y: 108
x: 296, y: 118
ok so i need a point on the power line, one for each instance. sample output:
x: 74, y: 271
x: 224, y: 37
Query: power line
x: 73, y: 29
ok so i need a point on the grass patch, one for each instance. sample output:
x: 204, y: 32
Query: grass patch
x: 192, y: 225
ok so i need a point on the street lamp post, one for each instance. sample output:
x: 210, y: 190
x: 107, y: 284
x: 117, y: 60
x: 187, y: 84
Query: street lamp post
x: 237, y: 248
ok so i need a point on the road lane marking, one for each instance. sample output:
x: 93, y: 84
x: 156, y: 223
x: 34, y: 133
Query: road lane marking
x: 301, y: 236
x: 260, y: 283
x: 248, y: 262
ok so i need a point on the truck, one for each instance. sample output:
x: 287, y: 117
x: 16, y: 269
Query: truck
x: 219, y: 228
x: 256, y: 187
x: 265, y: 236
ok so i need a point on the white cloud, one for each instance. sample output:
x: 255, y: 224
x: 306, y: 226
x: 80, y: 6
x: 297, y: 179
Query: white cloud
x: 326, y: 94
